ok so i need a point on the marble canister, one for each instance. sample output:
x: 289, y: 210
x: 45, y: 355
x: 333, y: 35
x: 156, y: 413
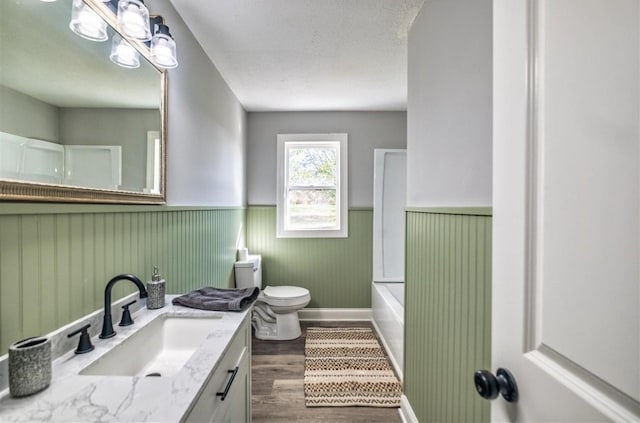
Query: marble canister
x: 29, y: 366
x: 155, y: 294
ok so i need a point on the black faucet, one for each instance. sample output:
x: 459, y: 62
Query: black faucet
x: 107, y: 323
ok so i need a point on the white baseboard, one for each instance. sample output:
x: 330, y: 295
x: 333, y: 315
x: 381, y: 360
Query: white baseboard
x: 406, y: 412
x: 339, y: 314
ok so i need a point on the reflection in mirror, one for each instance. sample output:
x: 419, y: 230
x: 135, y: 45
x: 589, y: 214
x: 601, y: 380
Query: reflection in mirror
x: 68, y: 115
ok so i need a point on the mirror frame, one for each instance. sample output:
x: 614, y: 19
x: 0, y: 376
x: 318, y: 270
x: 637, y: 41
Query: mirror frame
x: 34, y: 191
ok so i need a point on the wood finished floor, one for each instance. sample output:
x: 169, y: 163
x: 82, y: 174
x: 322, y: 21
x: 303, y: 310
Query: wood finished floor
x: 278, y: 392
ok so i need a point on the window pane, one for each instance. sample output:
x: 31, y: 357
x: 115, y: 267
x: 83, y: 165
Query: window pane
x: 311, y: 209
x: 312, y: 166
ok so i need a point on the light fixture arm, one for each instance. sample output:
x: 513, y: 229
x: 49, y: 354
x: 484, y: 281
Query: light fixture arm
x: 158, y: 25
x: 156, y: 20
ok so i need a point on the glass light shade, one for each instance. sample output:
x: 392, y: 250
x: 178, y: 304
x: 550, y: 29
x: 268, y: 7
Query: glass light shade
x: 163, y: 51
x: 86, y: 23
x: 133, y: 19
x: 123, y: 53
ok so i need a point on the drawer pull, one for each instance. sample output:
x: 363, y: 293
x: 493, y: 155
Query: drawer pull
x: 223, y: 394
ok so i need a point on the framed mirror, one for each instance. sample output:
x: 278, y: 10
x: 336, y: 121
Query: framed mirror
x: 74, y: 126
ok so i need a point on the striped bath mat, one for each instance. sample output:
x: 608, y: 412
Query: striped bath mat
x: 345, y: 367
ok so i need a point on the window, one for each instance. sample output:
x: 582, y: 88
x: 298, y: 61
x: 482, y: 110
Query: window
x: 312, y: 186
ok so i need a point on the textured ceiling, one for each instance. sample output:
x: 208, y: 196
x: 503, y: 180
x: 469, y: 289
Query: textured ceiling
x: 307, y: 54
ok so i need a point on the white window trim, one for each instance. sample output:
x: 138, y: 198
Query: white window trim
x: 343, y: 184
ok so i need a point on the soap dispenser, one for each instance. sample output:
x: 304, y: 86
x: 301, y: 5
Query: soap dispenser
x: 155, y: 290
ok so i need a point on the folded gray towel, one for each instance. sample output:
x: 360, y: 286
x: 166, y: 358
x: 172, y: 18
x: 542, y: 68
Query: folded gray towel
x: 218, y: 299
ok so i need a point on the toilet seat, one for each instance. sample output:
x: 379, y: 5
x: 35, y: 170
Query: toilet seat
x: 285, y: 295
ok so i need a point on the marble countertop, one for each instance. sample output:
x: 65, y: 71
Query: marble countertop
x: 72, y: 397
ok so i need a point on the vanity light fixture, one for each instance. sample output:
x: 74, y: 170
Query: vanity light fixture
x: 86, y: 23
x: 133, y: 22
x: 133, y: 19
x: 163, y: 47
x: 123, y: 53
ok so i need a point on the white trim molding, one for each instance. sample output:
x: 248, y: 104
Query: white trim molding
x: 406, y: 412
x: 337, y: 314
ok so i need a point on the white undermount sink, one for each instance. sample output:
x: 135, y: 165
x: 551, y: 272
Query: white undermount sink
x: 161, y: 348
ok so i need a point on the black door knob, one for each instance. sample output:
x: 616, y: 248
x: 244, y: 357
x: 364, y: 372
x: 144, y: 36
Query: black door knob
x: 489, y: 386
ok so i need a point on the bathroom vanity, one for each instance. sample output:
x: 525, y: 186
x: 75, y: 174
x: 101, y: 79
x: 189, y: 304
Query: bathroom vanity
x: 232, y: 379
x: 174, y: 364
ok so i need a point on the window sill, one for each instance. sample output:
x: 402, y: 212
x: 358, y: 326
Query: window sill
x: 342, y: 233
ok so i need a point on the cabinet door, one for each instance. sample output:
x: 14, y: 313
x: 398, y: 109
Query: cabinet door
x: 235, y: 411
x: 236, y: 407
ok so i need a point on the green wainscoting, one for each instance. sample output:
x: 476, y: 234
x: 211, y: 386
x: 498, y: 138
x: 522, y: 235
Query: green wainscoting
x: 55, y: 262
x: 337, y: 271
x: 448, y: 313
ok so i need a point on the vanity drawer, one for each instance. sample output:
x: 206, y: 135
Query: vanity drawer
x: 210, y: 407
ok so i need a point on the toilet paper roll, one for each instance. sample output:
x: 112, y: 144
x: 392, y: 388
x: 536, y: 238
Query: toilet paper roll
x: 243, y: 254
x: 29, y: 366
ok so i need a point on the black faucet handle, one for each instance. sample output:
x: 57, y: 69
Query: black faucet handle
x: 84, y: 345
x: 126, y: 319
x: 126, y: 306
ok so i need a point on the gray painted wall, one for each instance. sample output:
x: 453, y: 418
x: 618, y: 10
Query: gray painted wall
x: 367, y: 131
x: 26, y: 116
x: 449, y: 111
x: 125, y: 127
x: 206, y: 127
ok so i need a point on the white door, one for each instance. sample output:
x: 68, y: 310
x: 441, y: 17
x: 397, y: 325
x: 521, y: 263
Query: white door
x: 566, y: 266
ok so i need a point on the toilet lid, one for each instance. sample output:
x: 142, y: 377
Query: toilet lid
x: 285, y: 292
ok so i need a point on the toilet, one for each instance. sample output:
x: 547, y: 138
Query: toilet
x: 275, y: 312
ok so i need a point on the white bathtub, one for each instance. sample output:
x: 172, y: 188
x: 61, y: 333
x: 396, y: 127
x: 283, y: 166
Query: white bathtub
x: 387, y: 301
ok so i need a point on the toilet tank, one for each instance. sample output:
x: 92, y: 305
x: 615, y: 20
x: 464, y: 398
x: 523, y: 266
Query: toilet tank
x: 249, y: 272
